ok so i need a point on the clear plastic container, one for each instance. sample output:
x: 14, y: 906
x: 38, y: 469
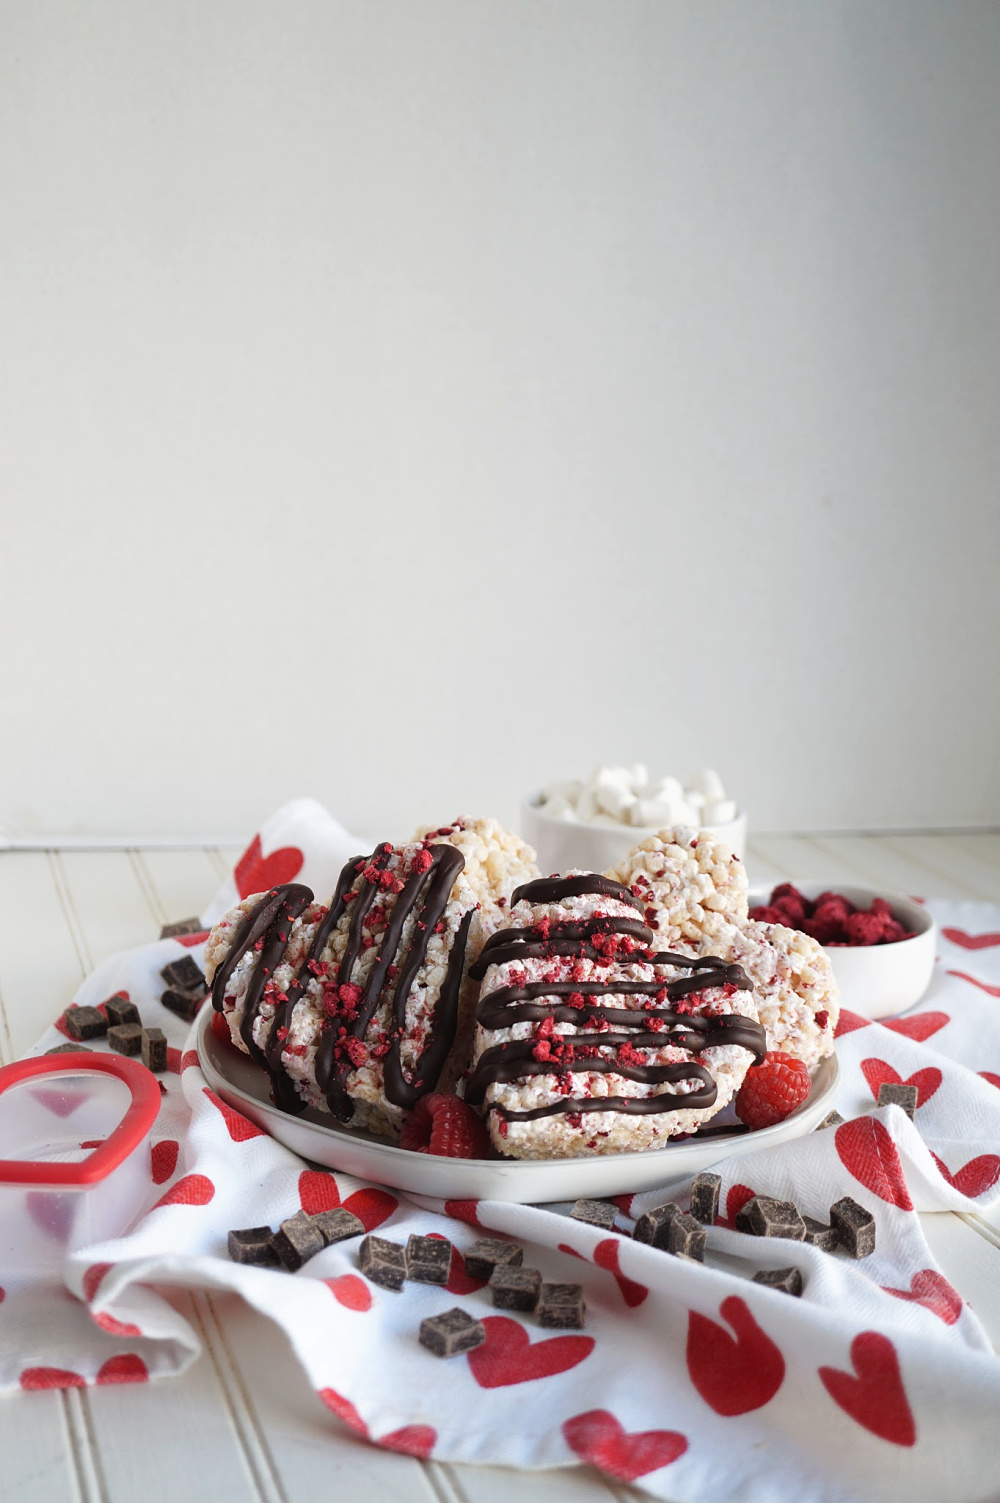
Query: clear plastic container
x: 74, y: 1131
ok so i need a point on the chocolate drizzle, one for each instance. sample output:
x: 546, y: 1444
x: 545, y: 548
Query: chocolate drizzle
x: 271, y: 919
x: 580, y: 1053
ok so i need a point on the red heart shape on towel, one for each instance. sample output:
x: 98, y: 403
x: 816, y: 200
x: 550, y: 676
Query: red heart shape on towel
x: 971, y: 941
x: 606, y: 1256
x: 255, y: 872
x: 240, y: 1128
x: 931, y: 1289
x: 350, y: 1291
x: 867, y: 1151
x: 125, y: 1368
x: 875, y: 1398
x: 988, y: 1075
x: 733, y: 1374
x: 459, y: 1282
x: 877, y: 1072
x: 921, y: 1026
x: 164, y: 1159
x: 412, y: 1440
x: 115, y: 1327
x: 192, y: 1190
x: 319, y: 1192
x: 51, y: 1377
x: 597, y: 1437
x: 848, y: 1022
x: 343, y: 1409
x: 975, y: 1177
x: 736, y: 1199
x: 993, y: 991
x: 508, y: 1355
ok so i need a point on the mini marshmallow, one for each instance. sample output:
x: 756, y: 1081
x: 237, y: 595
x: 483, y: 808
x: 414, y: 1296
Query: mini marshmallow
x: 639, y: 778
x: 719, y: 812
x: 586, y: 805
x: 570, y: 791
x: 667, y: 790
x: 558, y: 807
x: 708, y: 784
x: 654, y: 814
x: 694, y: 800
x: 615, y: 800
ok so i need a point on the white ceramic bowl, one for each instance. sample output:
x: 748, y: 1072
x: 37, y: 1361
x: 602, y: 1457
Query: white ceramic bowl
x: 876, y: 980
x: 562, y: 843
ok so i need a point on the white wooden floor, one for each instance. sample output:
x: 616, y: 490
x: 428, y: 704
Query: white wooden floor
x: 243, y: 1423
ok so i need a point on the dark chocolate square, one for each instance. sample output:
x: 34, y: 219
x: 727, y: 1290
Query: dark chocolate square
x: 120, y: 1009
x: 489, y: 1253
x: 181, y: 926
x: 297, y: 1240
x: 832, y: 1119
x: 560, y: 1307
x: 126, y: 1038
x: 653, y: 1227
x: 69, y: 1049
x: 686, y: 1235
x: 600, y: 1213
x: 337, y: 1225
x: 184, y: 975
x: 428, y: 1259
x: 84, y: 1022
x: 253, y: 1245
x: 154, y: 1050
x: 515, y: 1288
x: 898, y: 1095
x: 818, y: 1234
x: 787, y: 1279
x: 767, y: 1217
x: 705, y: 1188
x: 383, y: 1262
x: 185, y: 1004
x: 855, y: 1227
x: 452, y: 1333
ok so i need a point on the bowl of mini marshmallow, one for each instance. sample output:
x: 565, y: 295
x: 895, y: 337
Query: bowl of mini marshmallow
x: 592, y: 824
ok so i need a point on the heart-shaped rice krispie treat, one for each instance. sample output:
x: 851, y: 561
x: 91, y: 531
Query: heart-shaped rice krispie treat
x: 688, y: 883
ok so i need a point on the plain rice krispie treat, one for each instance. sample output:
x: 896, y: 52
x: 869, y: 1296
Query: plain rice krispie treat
x: 589, y: 1043
x: 689, y: 884
x: 496, y: 861
x: 798, y: 999
x: 362, y: 1006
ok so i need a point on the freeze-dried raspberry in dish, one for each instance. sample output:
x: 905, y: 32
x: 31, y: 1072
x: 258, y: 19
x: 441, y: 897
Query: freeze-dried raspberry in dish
x: 362, y: 1006
x: 689, y: 885
x: 797, y: 996
x: 590, y: 1042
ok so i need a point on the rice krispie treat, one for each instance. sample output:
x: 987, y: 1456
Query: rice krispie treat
x: 797, y: 996
x: 689, y: 884
x: 589, y: 1042
x: 496, y: 861
x: 362, y: 1006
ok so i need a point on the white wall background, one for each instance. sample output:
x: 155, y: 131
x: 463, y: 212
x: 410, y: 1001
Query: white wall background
x: 408, y: 401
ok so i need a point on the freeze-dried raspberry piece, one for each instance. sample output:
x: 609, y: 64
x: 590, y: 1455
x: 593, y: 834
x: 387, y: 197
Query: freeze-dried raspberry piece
x: 864, y: 928
x: 787, y: 890
x: 833, y: 897
x: 766, y: 914
x: 792, y: 909
x: 826, y: 925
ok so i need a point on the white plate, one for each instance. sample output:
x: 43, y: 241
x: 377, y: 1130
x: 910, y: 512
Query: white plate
x: 312, y: 1136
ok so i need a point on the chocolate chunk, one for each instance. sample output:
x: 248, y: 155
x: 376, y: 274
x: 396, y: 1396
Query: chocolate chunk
x: 182, y: 926
x: 253, y: 1245
x: 84, y: 1022
x: 515, y: 1288
x: 705, y: 1189
x: 297, y: 1240
x: 452, y: 1333
x: 832, y: 1119
x: 766, y: 1217
x: 685, y: 1235
x: 428, y: 1259
x: 383, y: 1262
x: 653, y: 1226
x: 489, y: 1253
x: 742, y: 1218
x: 819, y: 1235
x: 184, y: 974
x: 120, y: 1009
x: 336, y: 1225
x: 560, y: 1307
x: 184, y: 1004
x: 69, y: 1049
x: 126, y: 1038
x: 855, y: 1227
x: 154, y: 1049
x: 599, y: 1213
x: 898, y: 1095
x: 787, y: 1279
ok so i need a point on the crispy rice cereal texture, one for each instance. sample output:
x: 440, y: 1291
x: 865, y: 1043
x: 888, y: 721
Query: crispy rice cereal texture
x: 692, y: 883
x: 570, y: 1132
x: 797, y: 994
x: 496, y: 861
x: 326, y: 1001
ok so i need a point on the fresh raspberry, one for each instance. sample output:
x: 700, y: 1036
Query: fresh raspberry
x: 447, y: 1126
x: 771, y: 1090
x: 220, y: 1027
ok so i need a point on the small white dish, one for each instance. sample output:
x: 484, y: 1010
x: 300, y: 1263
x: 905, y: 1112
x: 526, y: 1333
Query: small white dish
x: 563, y: 843
x: 876, y: 981
x: 246, y: 1088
